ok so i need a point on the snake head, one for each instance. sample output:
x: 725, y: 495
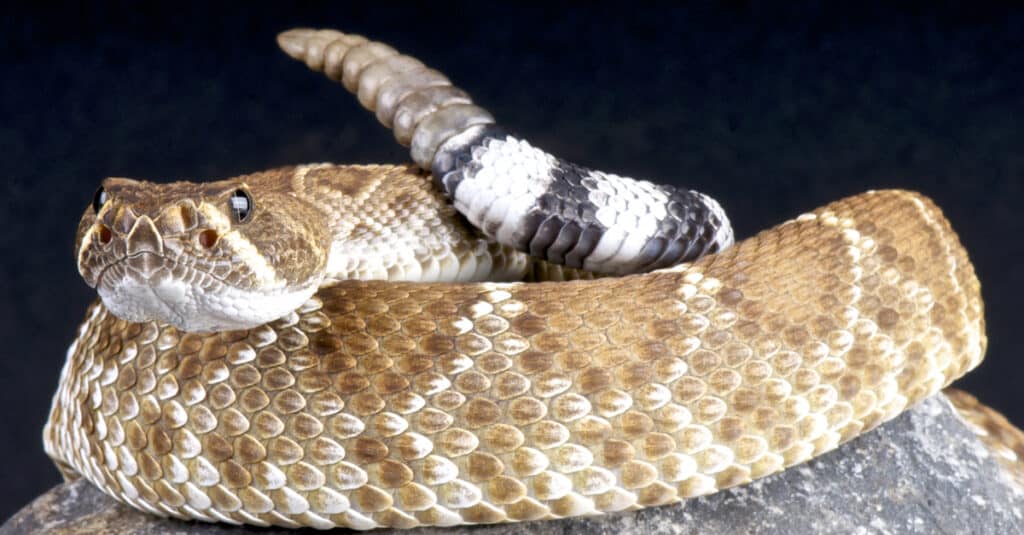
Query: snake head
x: 200, y: 256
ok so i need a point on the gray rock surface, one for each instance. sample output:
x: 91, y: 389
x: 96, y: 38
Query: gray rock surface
x: 924, y: 472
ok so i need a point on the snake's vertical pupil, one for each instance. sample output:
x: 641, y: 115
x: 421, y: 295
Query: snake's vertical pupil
x: 241, y: 205
x: 99, y: 199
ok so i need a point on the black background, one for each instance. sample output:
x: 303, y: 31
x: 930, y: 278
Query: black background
x: 773, y: 110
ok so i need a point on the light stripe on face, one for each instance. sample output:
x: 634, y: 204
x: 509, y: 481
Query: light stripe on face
x: 243, y: 250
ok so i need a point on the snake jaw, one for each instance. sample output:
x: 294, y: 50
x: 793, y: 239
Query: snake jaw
x: 192, y: 297
x: 188, y: 298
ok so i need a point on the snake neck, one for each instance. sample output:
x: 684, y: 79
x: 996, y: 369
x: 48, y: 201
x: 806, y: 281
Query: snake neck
x: 389, y: 223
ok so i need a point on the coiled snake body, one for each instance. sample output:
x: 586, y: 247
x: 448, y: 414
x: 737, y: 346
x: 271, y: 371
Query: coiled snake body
x: 399, y: 403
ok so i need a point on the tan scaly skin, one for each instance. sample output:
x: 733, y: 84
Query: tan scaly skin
x: 403, y: 404
x: 390, y: 403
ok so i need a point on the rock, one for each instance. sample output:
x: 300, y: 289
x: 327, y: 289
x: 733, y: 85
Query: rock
x: 924, y: 472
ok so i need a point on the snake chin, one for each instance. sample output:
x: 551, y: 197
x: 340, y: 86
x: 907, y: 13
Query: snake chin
x: 150, y: 287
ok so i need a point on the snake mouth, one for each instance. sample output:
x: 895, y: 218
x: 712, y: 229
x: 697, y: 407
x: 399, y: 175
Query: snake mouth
x: 190, y: 294
x: 150, y: 268
x: 152, y: 286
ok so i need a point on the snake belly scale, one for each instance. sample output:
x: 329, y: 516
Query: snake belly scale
x: 436, y: 397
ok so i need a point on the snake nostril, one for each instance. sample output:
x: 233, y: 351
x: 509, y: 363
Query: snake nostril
x: 208, y: 238
x: 104, y: 234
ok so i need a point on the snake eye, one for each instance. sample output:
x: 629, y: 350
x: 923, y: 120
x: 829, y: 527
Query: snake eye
x: 99, y: 199
x: 241, y: 205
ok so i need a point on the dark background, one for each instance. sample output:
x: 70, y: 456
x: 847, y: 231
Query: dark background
x: 773, y: 110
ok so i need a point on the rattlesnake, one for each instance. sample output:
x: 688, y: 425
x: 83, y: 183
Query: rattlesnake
x: 400, y: 402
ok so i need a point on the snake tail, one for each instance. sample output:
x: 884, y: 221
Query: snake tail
x: 518, y: 195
